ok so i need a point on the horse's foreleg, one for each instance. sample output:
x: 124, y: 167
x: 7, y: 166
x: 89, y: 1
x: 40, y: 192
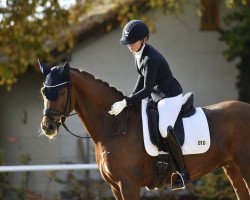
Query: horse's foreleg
x: 116, y: 192
x: 114, y: 187
x: 233, y: 173
x: 129, y: 191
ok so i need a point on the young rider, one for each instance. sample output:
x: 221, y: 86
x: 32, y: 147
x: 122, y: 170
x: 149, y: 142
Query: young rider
x: 157, y: 82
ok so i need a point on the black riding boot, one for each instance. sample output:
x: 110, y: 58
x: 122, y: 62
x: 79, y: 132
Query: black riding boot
x: 176, y: 154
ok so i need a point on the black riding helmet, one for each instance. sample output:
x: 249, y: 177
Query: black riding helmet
x: 134, y: 31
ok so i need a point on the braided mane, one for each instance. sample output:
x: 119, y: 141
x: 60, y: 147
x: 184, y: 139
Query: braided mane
x: 104, y: 83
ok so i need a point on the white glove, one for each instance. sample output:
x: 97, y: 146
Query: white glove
x: 117, y: 107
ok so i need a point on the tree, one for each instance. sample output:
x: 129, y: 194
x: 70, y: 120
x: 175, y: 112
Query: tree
x: 237, y: 38
x: 33, y: 29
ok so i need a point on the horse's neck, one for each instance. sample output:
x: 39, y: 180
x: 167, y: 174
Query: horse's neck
x: 93, y: 101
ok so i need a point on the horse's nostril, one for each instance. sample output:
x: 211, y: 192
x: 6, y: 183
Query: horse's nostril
x: 44, y: 127
x: 47, y: 126
x: 51, y: 127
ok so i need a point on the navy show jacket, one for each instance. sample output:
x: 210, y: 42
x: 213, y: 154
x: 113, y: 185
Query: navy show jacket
x: 155, y: 78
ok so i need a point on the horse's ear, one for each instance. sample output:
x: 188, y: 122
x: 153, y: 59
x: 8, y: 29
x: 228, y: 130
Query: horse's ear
x: 44, y: 69
x: 66, y: 68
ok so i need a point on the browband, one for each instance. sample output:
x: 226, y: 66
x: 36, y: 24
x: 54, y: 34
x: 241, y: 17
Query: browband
x: 52, y: 86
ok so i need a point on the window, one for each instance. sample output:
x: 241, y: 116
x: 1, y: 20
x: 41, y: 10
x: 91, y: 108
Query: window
x: 210, y: 16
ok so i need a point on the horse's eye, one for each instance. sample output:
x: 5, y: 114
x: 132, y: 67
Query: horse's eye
x: 62, y: 93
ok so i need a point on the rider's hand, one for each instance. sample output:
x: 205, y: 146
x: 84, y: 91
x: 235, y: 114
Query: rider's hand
x: 117, y: 107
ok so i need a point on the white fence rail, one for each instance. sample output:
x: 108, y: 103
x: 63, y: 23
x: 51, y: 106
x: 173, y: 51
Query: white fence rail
x: 23, y: 168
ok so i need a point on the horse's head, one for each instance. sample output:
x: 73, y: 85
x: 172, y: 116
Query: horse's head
x: 57, y: 96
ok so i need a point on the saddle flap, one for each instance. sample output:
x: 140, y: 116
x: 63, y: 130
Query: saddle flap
x: 197, y: 135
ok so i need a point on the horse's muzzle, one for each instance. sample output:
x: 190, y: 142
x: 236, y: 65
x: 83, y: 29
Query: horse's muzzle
x: 49, y: 127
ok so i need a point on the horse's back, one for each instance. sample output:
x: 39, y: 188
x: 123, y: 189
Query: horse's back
x: 232, y: 105
x: 229, y: 125
x: 229, y: 113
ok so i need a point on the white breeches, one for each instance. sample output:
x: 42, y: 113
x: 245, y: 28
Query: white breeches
x: 169, y: 109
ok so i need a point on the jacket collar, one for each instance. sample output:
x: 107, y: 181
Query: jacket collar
x: 143, y: 53
x: 139, y: 53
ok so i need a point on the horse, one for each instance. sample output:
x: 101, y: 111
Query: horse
x: 118, y: 141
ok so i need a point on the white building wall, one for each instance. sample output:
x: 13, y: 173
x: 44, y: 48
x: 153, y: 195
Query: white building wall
x: 20, y: 115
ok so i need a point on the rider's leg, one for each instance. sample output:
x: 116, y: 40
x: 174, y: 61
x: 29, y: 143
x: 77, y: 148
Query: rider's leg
x: 176, y: 153
x: 169, y: 109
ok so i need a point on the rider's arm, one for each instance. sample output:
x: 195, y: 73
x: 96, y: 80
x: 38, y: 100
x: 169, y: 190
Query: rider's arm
x: 150, y: 72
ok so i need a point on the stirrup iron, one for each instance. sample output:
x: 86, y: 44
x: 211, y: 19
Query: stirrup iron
x: 183, y: 182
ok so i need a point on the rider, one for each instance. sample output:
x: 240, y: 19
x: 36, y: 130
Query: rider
x: 157, y: 82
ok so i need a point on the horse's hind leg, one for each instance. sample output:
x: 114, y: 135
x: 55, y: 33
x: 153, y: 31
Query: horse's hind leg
x: 246, y: 177
x: 234, y: 174
x: 245, y: 171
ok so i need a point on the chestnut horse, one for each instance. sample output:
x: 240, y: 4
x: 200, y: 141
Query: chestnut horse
x: 121, y: 157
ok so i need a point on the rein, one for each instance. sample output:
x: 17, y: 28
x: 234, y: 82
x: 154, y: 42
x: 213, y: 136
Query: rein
x: 50, y: 112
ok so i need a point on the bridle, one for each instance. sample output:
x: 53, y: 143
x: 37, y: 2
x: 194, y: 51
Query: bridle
x: 51, y: 112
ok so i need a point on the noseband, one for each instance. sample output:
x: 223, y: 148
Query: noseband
x: 50, y: 112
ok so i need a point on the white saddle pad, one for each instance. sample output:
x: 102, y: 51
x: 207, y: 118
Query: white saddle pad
x: 197, y: 136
